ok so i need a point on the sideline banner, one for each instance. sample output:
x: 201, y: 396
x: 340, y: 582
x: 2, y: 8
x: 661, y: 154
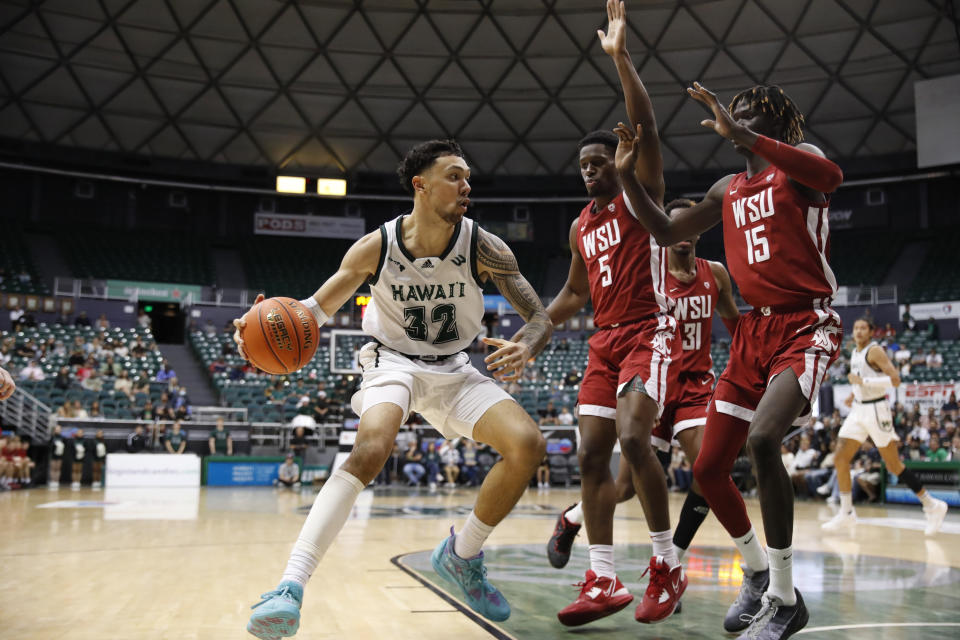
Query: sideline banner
x: 284, y: 224
x: 925, y: 394
x: 152, y: 470
x: 921, y: 311
x: 154, y: 291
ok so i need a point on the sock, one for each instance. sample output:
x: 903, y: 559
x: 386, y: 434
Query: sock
x: 846, y: 502
x: 469, y: 540
x: 681, y: 553
x: 575, y: 514
x: 692, y: 514
x: 752, y: 551
x: 327, y: 516
x: 601, y: 560
x: 925, y: 498
x: 663, y: 547
x: 781, y: 575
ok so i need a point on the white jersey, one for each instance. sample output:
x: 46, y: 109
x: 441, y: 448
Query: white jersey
x: 860, y: 366
x: 431, y: 306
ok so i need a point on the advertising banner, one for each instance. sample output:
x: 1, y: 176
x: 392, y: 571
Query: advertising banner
x: 156, y: 291
x: 155, y: 470
x: 936, y: 310
x: 283, y: 224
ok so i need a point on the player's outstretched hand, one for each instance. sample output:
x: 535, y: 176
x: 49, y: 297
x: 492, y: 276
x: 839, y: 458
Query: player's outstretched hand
x: 240, y: 324
x: 614, y: 41
x: 508, y: 361
x: 723, y: 123
x: 628, y: 149
x: 7, y: 385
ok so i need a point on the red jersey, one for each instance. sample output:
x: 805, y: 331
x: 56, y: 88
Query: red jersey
x: 694, y: 304
x: 777, y: 242
x: 626, y: 267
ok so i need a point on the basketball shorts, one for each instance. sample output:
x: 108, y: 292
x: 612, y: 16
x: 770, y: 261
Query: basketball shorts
x: 870, y: 420
x: 450, y: 394
x: 767, y: 343
x: 688, y: 396
x: 617, y: 355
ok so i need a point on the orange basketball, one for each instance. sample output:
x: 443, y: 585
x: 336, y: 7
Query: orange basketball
x: 280, y: 336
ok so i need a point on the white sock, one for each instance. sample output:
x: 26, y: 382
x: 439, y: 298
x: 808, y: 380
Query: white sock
x: 752, y: 551
x: 327, y: 516
x: 663, y: 547
x: 781, y: 575
x: 469, y: 540
x: 680, y: 553
x: 575, y: 514
x: 846, y: 502
x: 601, y: 560
x: 925, y: 499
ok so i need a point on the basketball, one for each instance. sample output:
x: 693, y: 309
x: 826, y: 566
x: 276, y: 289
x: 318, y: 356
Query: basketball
x: 280, y: 335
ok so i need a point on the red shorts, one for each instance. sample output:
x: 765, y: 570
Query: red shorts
x: 618, y: 355
x: 765, y: 345
x: 688, y: 396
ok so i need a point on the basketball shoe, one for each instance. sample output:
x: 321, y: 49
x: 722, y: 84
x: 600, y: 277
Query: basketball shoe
x: 599, y: 597
x: 775, y: 620
x: 935, y: 515
x: 748, y: 601
x: 840, y: 521
x: 277, y: 614
x: 471, y: 576
x: 560, y: 543
x: 663, y: 593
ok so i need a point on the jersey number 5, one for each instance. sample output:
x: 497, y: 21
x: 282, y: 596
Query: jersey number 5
x: 758, y: 249
x: 606, y: 278
x: 443, y: 314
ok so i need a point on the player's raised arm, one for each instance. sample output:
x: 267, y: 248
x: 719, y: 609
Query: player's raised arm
x: 576, y: 290
x: 649, y: 170
x: 726, y: 305
x: 665, y: 229
x: 495, y: 261
x: 359, y: 263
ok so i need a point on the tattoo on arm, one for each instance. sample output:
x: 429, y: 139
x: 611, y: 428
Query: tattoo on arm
x: 495, y: 259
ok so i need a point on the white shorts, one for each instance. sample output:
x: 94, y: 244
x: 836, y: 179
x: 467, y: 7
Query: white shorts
x: 450, y: 394
x: 872, y: 420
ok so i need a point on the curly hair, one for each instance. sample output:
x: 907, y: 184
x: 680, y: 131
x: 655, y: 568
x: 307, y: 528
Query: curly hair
x: 602, y: 136
x: 771, y: 100
x: 421, y: 156
x: 679, y: 203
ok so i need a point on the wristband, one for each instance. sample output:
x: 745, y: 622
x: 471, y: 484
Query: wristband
x: 878, y: 381
x: 311, y: 305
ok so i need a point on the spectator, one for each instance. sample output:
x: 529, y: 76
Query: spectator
x: 543, y: 473
x: 123, y: 384
x: 889, y: 332
x: 936, y: 453
x: 411, y: 464
x: 93, y: 382
x: 63, y: 379
x: 450, y: 457
x: 679, y: 470
x: 27, y: 350
x: 58, y: 446
x: 431, y: 460
x: 299, y: 444
x: 818, y: 480
x: 176, y: 440
x: 136, y: 441
x: 288, y: 474
x: 949, y: 408
x: 955, y: 448
x: 79, y: 453
x: 16, y: 314
x: 77, y: 357
x: 914, y: 448
x: 389, y: 471
x: 470, y: 468
x: 220, y: 441
x: 565, y: 418
x: 572, y: 378
x: 805, y: 459
x: 32, y: 372
x: 548, y: 415
x: 166, y: 372
x: 934, y: 360
x: 786, y: 456
x: 99, y: 458
x: 909, y: 324
x: 142, y: 384
x: 120, y: 349
x: 218, y: 366
x: 82, y: 320
x: 869, y: 480
x: 143, y: 320
x: 138, y: 349
x: 149, y: 412
x: 921, y: 433
x: 929, y: 420
x: 181, y: 399
x: 95, y: 413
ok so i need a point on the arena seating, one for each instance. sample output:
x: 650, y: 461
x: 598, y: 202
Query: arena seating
x: 113, y: 404
x: 863, y: 259
x: 939, y: 277
x: 153, y: 257
x: 291, y: 267
x: 14, y: 261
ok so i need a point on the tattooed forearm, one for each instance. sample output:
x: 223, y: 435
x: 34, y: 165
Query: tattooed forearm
x: 496, y: 261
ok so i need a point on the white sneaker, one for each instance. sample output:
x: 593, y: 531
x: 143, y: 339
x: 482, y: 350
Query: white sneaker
x: 75, y: 486
x: 935, y: 516
x: 95, y: 486
x: 840, y: 521
x: 825, y: 489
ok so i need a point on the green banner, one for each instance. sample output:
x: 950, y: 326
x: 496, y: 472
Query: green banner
x: 156, y: 291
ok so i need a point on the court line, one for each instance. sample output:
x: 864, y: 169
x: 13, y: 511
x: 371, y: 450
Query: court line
x: 879, y: 625
x: 456, y: 604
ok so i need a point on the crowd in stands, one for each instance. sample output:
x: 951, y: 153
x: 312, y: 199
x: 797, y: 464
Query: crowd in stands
x: 433, y: 462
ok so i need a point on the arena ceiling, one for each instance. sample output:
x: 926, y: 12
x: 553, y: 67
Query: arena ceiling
x: 344, y: 86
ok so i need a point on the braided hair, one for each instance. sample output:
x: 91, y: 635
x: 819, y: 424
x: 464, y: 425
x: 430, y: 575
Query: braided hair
x: 771, y: 100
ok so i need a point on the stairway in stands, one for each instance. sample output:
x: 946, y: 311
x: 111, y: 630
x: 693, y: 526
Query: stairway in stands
x: 191, y: 374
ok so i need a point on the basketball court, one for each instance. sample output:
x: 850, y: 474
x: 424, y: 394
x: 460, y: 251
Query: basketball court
x: 188, y: 563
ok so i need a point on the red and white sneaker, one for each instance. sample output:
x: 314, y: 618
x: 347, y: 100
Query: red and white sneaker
x: 663, y: 593
x: 599, y: 597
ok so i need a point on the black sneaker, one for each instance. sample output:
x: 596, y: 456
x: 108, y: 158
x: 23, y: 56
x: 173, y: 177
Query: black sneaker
x: 747, y: 604
x: 558, y: 548
x: 775, y: 620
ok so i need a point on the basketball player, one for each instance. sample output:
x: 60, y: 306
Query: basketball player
x: 617, y: 265
x: 426, y: 270
x: 697, y: 287
x: 7, y: 385
x: 777, y: 239
x: 871, y: 374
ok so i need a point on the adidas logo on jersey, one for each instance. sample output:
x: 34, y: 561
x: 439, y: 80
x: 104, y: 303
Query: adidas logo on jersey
x: 427, y: 264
